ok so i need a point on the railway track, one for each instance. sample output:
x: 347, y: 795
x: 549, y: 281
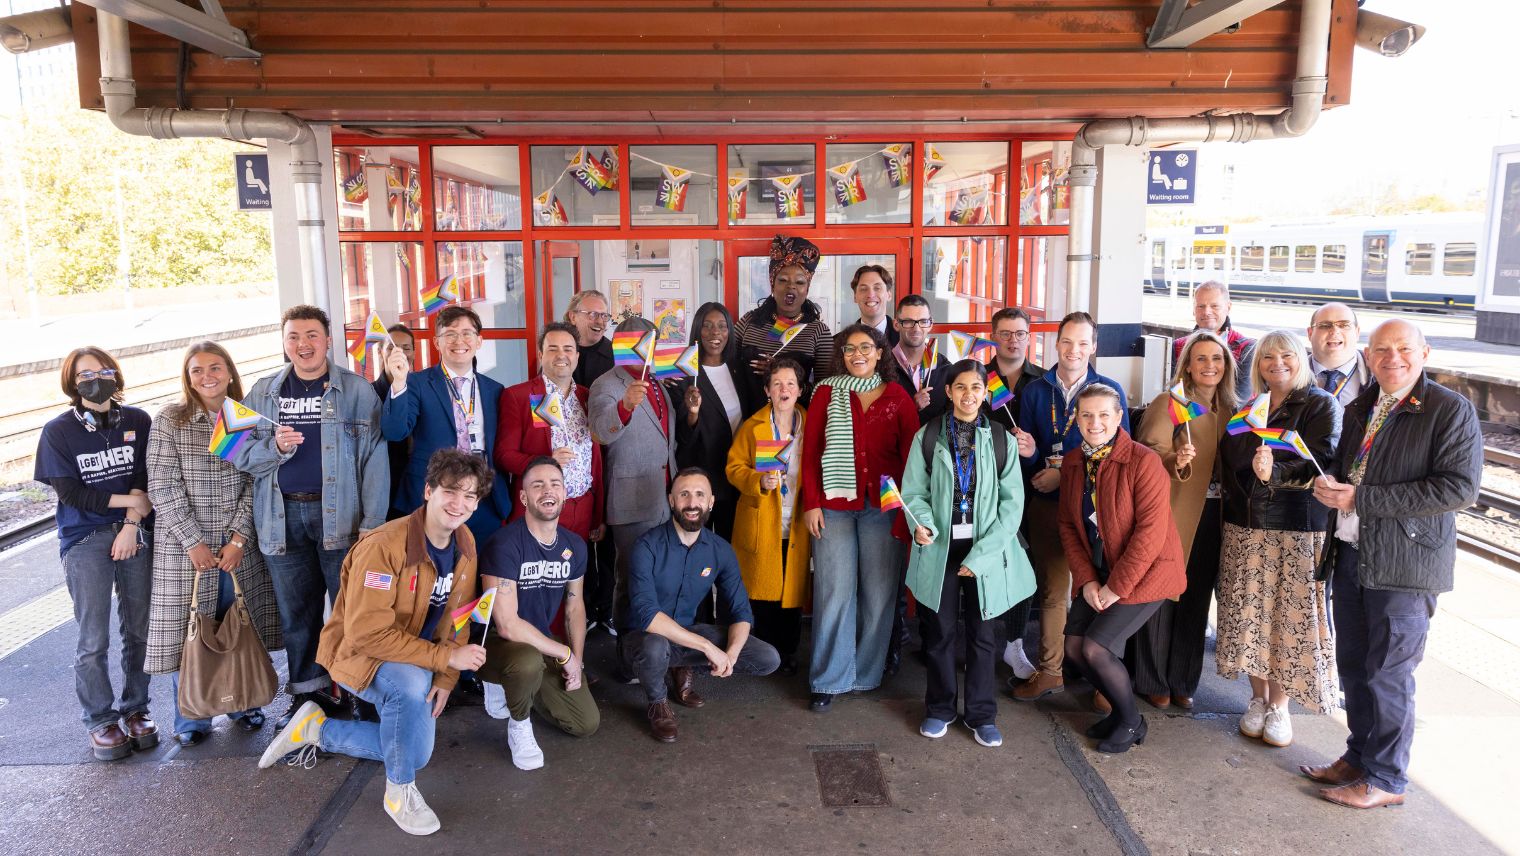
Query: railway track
x: 1503, y: 551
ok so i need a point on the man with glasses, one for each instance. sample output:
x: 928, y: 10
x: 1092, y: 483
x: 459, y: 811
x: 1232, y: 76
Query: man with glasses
x: 914, y: 321
x: 1211, y: 312
x: 1338, y: 366
x: 589, y: 316
x: 447, y: 406
x: 1010, y: 330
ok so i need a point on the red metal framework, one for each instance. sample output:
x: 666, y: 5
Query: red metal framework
x: 909, y: 237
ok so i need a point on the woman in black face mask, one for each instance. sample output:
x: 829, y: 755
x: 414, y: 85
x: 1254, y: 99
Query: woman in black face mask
x: 95, y: 456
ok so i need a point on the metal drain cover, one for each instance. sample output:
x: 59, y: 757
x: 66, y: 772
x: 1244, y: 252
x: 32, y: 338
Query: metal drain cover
x: 849, y: 774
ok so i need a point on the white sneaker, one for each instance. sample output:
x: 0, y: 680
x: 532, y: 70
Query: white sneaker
x: 405, y: 806
x: 1255, y: 717
x: 1277, y: 729
x: 301, y: 734
x: 525, y: 752
x: 496, y: 700
x: 1017, y: 660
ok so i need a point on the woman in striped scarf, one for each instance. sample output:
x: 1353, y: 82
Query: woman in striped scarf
x: 860, y: 428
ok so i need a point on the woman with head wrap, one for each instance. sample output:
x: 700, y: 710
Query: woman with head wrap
x: 763, y: 330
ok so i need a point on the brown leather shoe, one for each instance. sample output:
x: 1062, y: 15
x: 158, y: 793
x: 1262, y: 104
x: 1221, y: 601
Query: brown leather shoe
x: 110, y: 743
x: 662, y: 721
x: 1183, y: 701
x: 1160, y: 702
x: 1039, y: 686
x: 142, y: 731
x: 1361, y: 795
x: 1101, y: 704
x: 1335, y: 774
x: 680, y: 684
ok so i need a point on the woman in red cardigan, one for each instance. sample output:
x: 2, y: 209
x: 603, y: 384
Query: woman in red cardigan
x: 1126, y: 557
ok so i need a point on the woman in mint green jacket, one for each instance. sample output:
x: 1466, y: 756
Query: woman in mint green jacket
x: 967, y: 562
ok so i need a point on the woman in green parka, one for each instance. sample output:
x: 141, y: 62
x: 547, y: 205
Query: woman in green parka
x: 967, y: 562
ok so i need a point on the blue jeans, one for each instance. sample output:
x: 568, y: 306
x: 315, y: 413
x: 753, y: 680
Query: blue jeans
x: 403, y: 738
x: 90, y: 574
x: 302, y: 576
x: 1379, y: 640
x: 856, y: 566
x: 225, y: 595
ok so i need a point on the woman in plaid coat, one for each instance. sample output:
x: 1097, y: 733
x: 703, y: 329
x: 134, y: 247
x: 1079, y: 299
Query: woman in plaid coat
x: 205, y: 524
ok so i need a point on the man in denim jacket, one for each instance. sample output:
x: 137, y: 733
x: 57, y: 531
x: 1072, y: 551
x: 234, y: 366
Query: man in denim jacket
x: 321, y: 479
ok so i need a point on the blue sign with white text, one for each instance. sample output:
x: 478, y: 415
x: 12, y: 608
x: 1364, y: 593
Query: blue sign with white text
x: 251, y: 172
x: 1171, y: 177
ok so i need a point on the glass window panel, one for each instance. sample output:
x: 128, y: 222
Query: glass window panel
x: 1278, y: 261
x: 1419, y: 259
x: 1460, y: 259
x: 695, y: 199
x: 830, y: 288
x: 381, y: 276
x: 562, y: 176
x: 965, y: 277
x: 641, y: 277
x: 1044, y: 190
x: 967, y: 184
x: 1335, y: 258
x: 1252, y: 258
x: 379, y: 188
x: 1304, y: 256
x: 858, y: 183
x: 503, y: 360
x: 754, y: 202
x: 476, y: 188
x: 489, y: 275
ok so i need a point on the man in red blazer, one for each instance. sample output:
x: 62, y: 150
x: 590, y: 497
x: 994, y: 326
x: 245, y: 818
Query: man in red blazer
x: 525, y: 435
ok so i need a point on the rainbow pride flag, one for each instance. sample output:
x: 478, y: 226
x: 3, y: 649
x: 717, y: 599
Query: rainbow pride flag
x: 1276, y: 438
x: 224, y: 443
x: 478, y: 610
x: 359, y: 350
x: 547, y: 410
x: 998, y: 393
x: 972, y: 347
x: 632, y: 348
x: 374, y: 329
x: 1251, y: 417
x: 667, y: 361
x: 238, y: 416
x: 779, y: 328
x: 1182, y: 408
x: 444, y: 292
x: 931, y: 355
x: 772, y: 456
x: 891, y: 497
x: 690, y: 361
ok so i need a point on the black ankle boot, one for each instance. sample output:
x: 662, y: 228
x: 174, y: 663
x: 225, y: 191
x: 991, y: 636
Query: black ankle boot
x: 1123, y: 737
x: 1101, y: 729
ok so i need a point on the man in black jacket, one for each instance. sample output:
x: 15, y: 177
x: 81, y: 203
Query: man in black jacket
x: 1410, y: 457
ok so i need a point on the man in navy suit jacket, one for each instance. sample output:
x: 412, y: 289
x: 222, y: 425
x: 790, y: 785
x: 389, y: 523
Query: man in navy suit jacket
x: 448, y: 406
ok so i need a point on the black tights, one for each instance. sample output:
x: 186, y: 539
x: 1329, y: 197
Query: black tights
x: 1106, y: 673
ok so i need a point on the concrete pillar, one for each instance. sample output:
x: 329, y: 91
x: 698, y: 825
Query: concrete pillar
x: 1119, y: 245
x: 287, y: 252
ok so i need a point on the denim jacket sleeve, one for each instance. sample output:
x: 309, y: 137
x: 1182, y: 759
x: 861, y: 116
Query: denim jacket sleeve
x: 258, y: 457
x: 374, y: 463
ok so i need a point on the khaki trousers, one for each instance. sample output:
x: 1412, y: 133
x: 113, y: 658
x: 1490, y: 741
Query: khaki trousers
x: 1052, y: 577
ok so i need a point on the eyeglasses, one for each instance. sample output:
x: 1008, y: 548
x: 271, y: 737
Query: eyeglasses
x: 594, y: 316
x: 450, y: 337
x: 103, y: 374
x: 922, y: 324
x: 1011, y: 335
x: 1327, y: 326
x: 865, y: 350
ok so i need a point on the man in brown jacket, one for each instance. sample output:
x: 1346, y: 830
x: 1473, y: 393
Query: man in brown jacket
x: 391, y: 642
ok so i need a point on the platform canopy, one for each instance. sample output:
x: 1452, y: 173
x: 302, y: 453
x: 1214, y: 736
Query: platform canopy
x: 487, y: 68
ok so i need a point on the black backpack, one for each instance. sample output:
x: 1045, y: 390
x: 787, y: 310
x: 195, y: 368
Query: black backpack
x: 937, y: 424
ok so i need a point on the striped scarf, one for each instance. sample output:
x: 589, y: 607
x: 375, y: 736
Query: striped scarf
x: 1091, y: 458
x: 839, y: 479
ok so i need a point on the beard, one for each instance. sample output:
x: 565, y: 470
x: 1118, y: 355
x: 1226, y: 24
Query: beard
x: 692, y: 525
x: 542, y: 516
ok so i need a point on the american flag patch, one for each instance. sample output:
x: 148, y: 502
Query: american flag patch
x: 377, y: 580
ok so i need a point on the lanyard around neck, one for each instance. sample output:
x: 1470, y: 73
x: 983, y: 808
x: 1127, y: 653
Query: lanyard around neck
x: 468, y: 413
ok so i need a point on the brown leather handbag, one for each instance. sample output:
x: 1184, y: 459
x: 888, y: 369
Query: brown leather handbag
x: 225, y: 668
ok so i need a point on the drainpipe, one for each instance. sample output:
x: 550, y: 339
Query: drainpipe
x: 1309, y: 84
x: 119, y: 92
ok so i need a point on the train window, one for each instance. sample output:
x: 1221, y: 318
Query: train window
x: 1460, y: 259
x: 1304, y: 257
x: 1198, y: 262
x: 1251, y: 258
x: 1181, y: 262
x: 1158, y: 254
x: 1279, y: 259
x: 1419, y: 259
x: 1335, y: 259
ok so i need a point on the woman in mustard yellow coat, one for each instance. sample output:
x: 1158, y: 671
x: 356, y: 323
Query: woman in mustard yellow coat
x: 770, y: 536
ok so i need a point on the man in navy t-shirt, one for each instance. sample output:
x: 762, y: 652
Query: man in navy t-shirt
x: 535, y: 566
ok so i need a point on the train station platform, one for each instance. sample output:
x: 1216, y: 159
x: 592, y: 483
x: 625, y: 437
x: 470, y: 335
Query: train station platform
x: 756, y: 772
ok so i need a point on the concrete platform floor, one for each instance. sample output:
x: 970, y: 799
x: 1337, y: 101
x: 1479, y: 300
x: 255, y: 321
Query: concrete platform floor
x: 742, y: 779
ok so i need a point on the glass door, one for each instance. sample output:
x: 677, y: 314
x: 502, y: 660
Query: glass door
x: 747, y: 264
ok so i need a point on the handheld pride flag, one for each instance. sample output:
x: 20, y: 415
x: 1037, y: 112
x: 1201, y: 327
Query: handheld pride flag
x: 891, y: 498
x: 931, y: 356
x: 632, y: 348
x: 772, y: 456
x: 224, y: 443
x: 690, y: 361
x: 998, y: 393
x: 972, y: 347
x: 359, y: 350
x: 780, y: 326
x: 444, y: 292
x: 1184, y: 409
x: 374, y: 331
x: 240, y: 417
x: 667, y: 359
x: 1251, y: 417
x: 478, y: 610
x: 1297, y: 445
x: 547, y: 410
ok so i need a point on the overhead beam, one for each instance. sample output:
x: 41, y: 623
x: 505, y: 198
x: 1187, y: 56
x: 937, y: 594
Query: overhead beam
x: 1179, y: 25
x: 178, y: 21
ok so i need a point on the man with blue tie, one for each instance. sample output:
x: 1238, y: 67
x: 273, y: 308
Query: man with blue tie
x: 448, y: 406
x: 1337, y: 363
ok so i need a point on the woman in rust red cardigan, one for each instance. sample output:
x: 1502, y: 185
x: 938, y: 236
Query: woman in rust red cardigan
x: 1126, y: 558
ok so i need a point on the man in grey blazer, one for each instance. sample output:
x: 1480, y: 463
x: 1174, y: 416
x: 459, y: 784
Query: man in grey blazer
x: 632, y: 419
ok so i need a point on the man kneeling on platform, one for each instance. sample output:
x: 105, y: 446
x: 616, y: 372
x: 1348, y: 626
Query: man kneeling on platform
x: 672, y: 568
x: 389, y: 639
x: 534, y: 565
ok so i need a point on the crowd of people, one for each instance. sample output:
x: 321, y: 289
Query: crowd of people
x: 359, y: 519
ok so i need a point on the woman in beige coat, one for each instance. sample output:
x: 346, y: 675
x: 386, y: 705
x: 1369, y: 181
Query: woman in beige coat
x: 1166, y: 656
x: 770, y: 536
